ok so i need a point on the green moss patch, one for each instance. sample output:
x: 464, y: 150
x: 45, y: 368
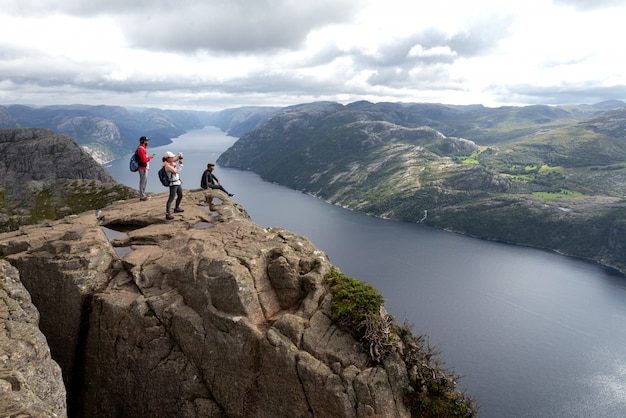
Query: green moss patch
x: 358, y: 309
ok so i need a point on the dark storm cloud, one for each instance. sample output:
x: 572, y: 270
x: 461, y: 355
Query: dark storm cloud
x: 256, y: 52
x: 236, y: 26
x: 215, y: 25
x: 187, y: 26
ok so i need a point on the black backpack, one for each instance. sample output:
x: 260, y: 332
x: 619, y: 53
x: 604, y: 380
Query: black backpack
x: 165, y: 177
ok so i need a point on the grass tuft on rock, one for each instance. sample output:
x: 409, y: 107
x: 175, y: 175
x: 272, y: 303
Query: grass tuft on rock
x: 358, y: 308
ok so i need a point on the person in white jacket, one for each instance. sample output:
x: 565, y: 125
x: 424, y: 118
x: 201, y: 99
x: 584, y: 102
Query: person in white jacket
x: 176, y: 185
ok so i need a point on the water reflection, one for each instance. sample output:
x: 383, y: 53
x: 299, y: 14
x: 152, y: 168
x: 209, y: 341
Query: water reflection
x: 115, y: 237
x: 203, y: 225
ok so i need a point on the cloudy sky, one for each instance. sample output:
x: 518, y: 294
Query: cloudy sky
x: 217, y: 54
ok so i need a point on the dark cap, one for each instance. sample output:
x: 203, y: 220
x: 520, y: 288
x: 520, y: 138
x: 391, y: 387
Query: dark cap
x: 143, y: 139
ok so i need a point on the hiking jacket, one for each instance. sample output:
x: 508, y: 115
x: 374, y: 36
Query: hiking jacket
x: 143, y: 157
x: 172, y: 172
x: 208, y: 178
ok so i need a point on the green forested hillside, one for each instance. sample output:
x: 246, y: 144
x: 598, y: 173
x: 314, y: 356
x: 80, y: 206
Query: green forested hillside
x: 552, y: 177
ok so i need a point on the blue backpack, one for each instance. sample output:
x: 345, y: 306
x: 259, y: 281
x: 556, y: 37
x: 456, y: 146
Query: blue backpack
x: 134, y: 162
x: 165, y: 177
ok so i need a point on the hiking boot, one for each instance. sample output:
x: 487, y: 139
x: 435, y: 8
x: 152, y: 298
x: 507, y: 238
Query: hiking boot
x: 168, y: 216
x: 143, y: 199
x: 178, y: 210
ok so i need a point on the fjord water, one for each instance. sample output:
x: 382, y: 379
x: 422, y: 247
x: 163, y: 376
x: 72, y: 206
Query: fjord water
x: 531, y: 333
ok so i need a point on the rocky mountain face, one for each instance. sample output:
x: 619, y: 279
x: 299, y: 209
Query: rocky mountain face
x: 47, y: 176
x: 549, y: 177
x: 30, y: 381
x: 237, y: 121
x: 106, y: 132
x: 208, y: 315
x: 109, y: 132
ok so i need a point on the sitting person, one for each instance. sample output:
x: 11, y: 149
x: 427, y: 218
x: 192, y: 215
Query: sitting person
x: 209, y: 181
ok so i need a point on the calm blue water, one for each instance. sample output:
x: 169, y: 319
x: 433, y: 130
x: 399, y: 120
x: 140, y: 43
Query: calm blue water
x: 532, y: 333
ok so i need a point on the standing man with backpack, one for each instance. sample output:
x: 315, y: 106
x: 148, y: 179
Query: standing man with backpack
x: 144, y: 164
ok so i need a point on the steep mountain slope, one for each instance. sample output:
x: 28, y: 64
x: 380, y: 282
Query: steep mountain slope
x: 109, y: 132
x: 550, y: 180
x: 106, y: 132
x: 47, y: 176
x: 238, y: 121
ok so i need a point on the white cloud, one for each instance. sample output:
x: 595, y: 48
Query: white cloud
x: 216, y: 53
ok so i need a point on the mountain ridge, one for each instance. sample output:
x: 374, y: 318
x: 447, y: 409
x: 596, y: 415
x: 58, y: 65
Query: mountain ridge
x: 470, y: 169
x: 551, y: 178
x: 45, y: 176
x: 109, y: 132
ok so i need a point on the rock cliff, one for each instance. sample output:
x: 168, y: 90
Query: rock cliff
x: 208, y: 315
x: 46, y: 176
x: 30, y: 381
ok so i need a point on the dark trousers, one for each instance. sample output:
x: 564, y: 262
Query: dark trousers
x: 218, y: 187
x: 174, y: 191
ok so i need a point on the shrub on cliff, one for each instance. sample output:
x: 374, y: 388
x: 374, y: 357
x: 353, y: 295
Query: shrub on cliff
x: 358, y: 309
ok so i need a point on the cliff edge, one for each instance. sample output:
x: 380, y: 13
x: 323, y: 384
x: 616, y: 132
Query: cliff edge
x: 30, y: 381
x: 209, y: 315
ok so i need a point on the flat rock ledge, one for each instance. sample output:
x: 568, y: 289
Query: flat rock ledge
x: 206, y: 315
